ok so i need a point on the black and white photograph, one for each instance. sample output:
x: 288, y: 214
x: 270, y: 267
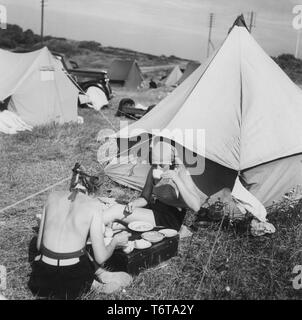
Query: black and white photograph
x: 150, y: 151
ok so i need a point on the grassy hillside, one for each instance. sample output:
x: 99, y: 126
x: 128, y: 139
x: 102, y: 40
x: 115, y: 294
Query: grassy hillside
x: 86, y: 53
x: 92, y: 54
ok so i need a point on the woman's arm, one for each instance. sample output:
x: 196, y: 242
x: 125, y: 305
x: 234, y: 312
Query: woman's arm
x: 41, y: 229
x: 148, y: 188
x: 186, y: 187
x: 138, y: 203
x: 102, y: 252
x: 146, y: 194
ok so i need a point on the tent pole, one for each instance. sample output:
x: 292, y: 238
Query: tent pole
x: 210, y: 33
x: 42, y: 21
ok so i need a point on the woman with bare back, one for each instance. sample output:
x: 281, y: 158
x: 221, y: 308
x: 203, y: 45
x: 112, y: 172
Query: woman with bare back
x: 63, y: 268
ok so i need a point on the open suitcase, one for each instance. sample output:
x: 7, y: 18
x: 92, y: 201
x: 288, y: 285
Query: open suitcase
x: 141, y: 259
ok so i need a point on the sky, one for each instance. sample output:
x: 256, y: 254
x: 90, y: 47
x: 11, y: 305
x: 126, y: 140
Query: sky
x: 169, y: 27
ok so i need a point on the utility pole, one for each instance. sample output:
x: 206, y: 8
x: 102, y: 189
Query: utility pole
x: 252, y: 20
x: 210, y: 43
x: 42, y: 21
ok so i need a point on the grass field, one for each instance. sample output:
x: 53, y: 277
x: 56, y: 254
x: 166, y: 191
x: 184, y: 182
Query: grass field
x: 242, y: 267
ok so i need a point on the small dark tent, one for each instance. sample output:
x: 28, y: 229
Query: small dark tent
x: 126, y: 73
x: 191, y: 67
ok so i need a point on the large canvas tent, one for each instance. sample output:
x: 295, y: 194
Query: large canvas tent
x: 126, y: 73
x: 173, y: 76
x: 40, y: 91
x: 190, y: 68
x: 251, y: 113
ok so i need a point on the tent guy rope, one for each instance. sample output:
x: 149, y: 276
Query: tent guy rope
x: 34, y: 195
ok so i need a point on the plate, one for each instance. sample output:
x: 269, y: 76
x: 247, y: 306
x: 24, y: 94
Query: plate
x: 168, y: 232
x: 153, y: 236
x: 142, y: 244
x: 140, y: 226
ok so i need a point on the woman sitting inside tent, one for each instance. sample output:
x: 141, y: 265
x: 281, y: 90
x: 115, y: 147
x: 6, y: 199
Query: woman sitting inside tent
x: 169, y: 190
x: 63, y: 269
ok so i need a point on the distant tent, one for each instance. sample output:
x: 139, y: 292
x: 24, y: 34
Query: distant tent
x: 191, y: 67
x: 39, y: 89
x: 174, y: 76
x: 126, y: 73
x: 251, y: 113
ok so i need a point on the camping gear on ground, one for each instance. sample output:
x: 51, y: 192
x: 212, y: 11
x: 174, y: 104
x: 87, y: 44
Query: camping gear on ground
x: 128, y: 108
x: 217, y: 211
x: 141, y: 259
x: 174, y: 76
x: 125, y: 73
x: 123, y: 104
x: 253, y: 130
x: 259, y: 228
x: 40, y: 90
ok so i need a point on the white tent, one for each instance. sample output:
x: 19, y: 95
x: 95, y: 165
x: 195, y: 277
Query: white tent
x: 39, y: 89
x: 190, y: 68
x: 173, y: 77
x: 251, y: 113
